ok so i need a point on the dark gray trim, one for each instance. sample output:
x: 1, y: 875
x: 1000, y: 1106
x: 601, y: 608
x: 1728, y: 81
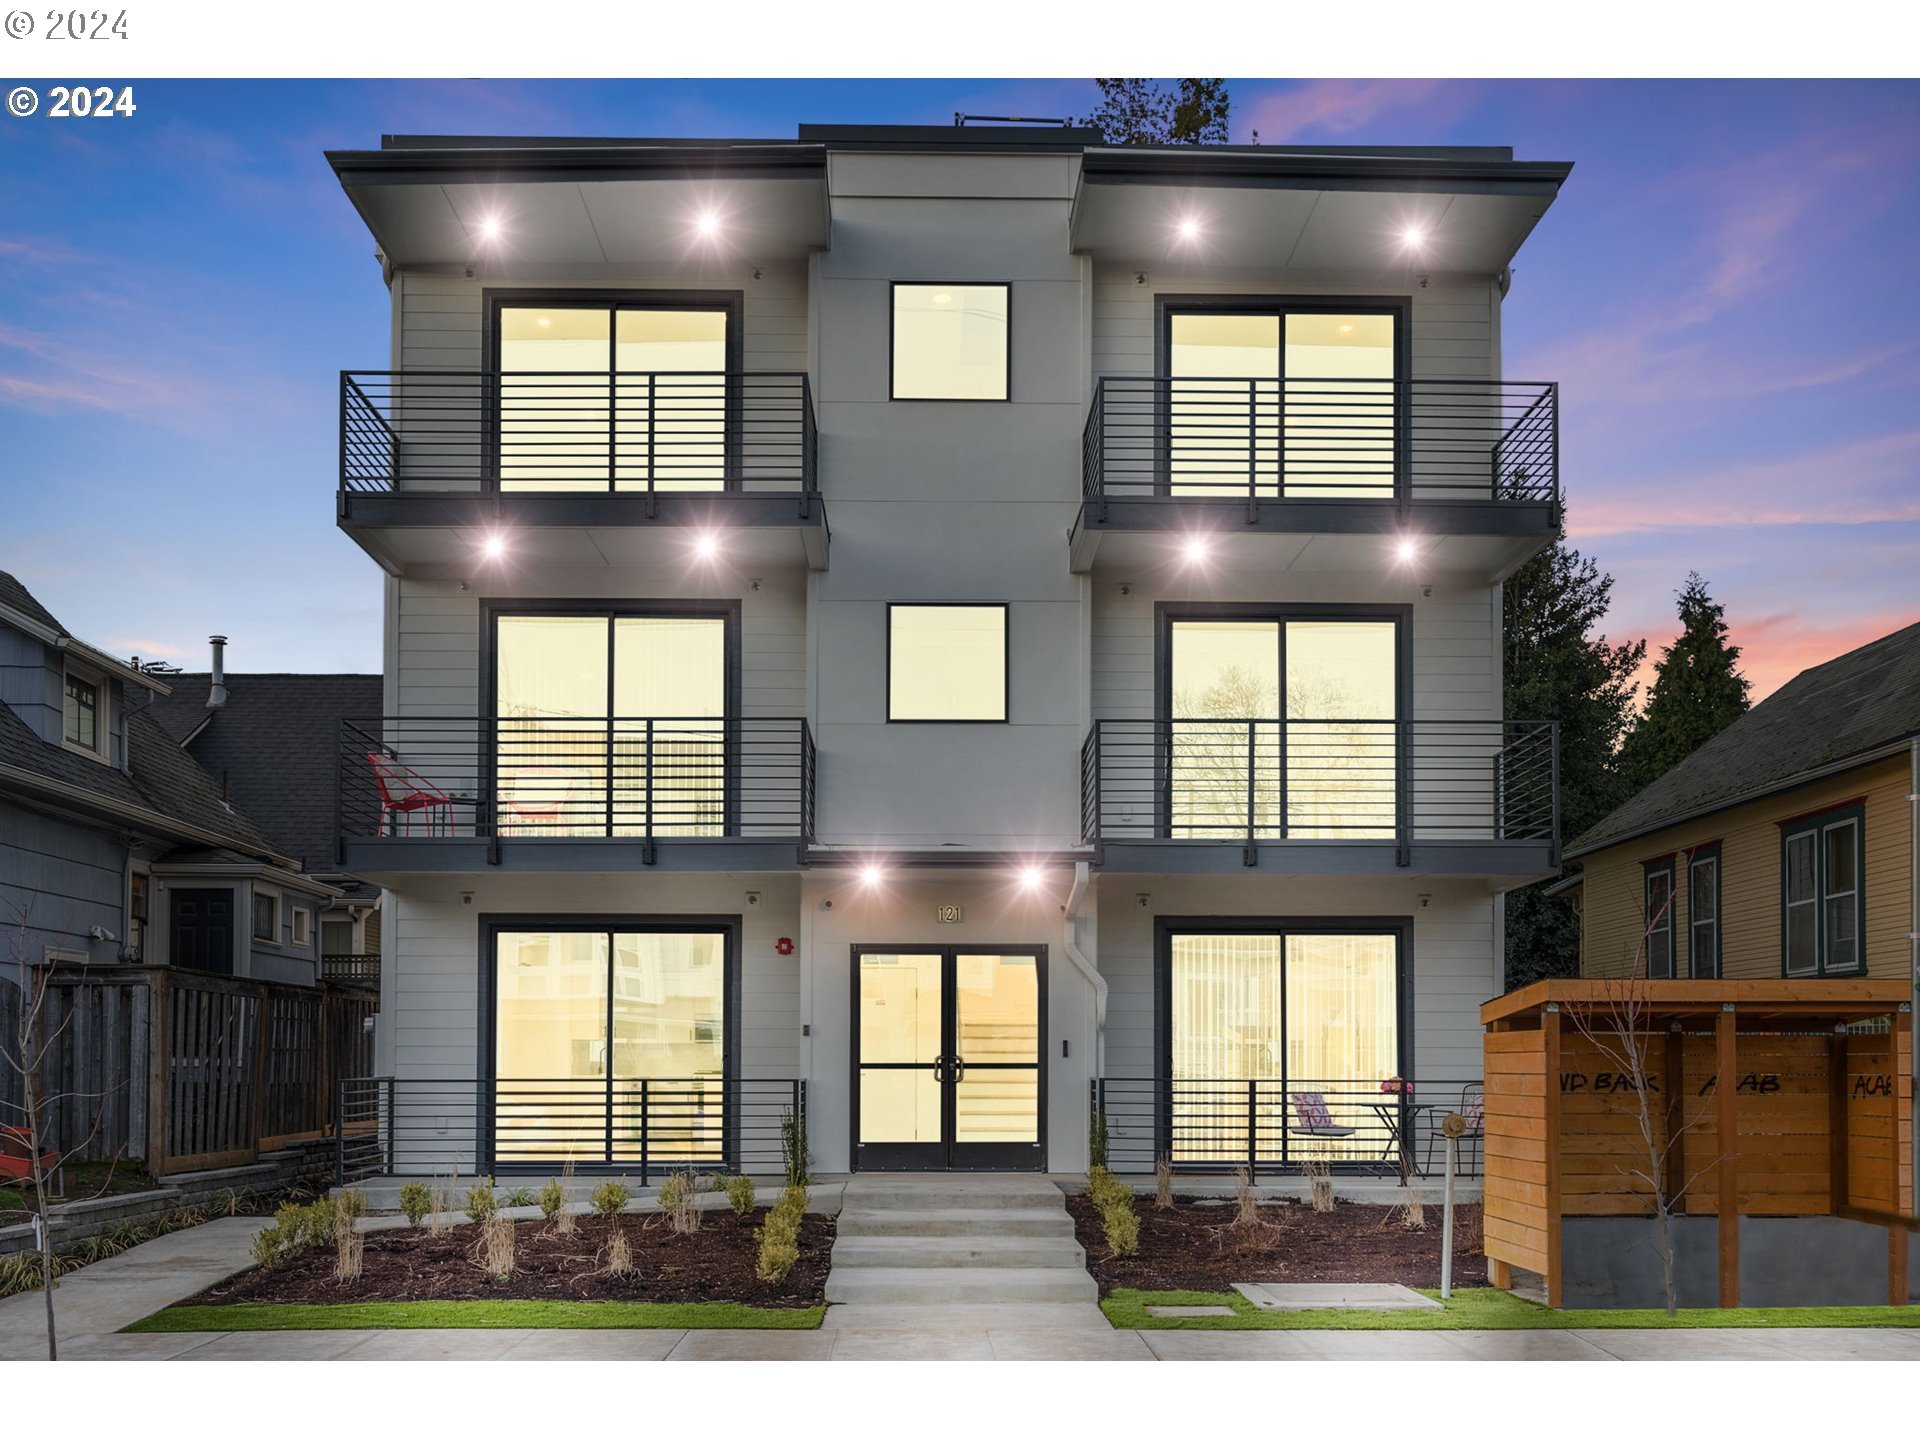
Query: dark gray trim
x: 892, y: 317
x: 1167, y: 612
x: 493, y: 298
x: 1286, y: 169
x: 1165, y: 307
x: 556, y: 855
x: 1514, y: 862
x: 490, y: 926
x: 474, y: 161
x: 1006, y: 657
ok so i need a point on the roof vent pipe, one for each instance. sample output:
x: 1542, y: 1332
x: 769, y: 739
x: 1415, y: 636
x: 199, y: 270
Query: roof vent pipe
x: 217, y: 688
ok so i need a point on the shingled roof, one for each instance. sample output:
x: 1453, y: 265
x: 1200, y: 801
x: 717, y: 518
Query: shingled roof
x: 273, y: 743
x: 1864, y: 703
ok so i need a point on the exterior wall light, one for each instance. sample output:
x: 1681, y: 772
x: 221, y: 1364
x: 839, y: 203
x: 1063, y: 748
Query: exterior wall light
x: 871, y: 875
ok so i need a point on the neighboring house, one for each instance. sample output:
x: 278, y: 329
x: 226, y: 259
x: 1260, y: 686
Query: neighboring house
x: 115, y: 846
x: 1131, y: 738
x: 270, y: 741
x: 1784, y: 846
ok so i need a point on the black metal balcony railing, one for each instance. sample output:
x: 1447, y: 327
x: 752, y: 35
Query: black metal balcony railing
x: 576, y: 777
x: 638, y: 1127
x: 577, y: 431
x: 1248, y: 781
x: 1154, y: 437
x: 1273, y: 1127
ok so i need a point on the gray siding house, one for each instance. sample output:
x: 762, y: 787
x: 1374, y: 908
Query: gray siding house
x: 116, y: 846
x: 965, y: 630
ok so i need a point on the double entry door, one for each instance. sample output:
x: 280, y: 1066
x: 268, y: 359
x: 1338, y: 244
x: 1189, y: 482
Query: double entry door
x: 947, y: 1071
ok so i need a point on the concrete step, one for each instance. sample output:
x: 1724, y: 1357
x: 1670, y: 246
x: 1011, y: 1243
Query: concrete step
x: 985, y: 1284
x: 949, y: 1252
x: 862, y: 1220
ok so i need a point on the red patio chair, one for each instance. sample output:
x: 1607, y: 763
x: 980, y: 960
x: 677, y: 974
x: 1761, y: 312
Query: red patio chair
x: 405, y: 792
x: 16, y: 1160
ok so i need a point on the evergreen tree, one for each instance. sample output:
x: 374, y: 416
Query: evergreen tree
x: 1558, y: 669
x: 1697, y: 691
x: 1144, y: 112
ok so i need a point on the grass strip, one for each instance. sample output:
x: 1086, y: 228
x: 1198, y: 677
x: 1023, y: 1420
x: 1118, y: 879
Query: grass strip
x: 1487, y: 1309
x: 479, y: 1315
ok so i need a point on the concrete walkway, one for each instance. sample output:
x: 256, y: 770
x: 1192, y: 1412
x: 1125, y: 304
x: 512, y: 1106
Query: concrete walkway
x: 95, y: 1302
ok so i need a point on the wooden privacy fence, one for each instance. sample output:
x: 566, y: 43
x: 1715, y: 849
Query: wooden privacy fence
x: 183, y: 1071
x: 1774, y: 1098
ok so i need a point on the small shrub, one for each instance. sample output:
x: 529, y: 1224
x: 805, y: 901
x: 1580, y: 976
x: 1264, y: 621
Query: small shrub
x: 779, y: 1238
x: 792, y: 1204
x: 1319, y: 1184
x: 1107, y: 1189
x: 350, y: 1248
x: 266, y: 1247
x: 1163, y: 1183
x: 678, y: 1192
x: 1246, y: 1206
x: 518, y: 1198
x: 416, y: 1202
x: 609, y: 1200
x: 553, y: 1199
x: 619, y: 1254
x: 348, y: 1206
x: 793, y: 1147
x: 496, y: 1241
x: 482, y: 1205
x: 740, y: 1194
x: 1412, y: 1211
x: 1097, y: 1141
x: 1123, y: 1230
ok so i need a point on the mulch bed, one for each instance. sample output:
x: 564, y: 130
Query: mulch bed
x: 1194, y: 1246
x: 716, y: 1263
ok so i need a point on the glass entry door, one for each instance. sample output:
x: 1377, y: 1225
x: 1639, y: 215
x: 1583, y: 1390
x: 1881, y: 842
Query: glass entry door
x: 947, y: 1059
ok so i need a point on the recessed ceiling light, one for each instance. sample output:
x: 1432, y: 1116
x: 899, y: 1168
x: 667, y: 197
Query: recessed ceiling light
x: 1406, y: 551
x: 543, y: 322
x: 871, y: 875
x: 1344, y: 329
x: 707, y: 545
x: 1197, y: 549
x: 1190, y: 229
x: 708, y: 224
x: 1413, y: 237
x: 490, y: 227
x: 494, y: 546
x: 941, y: 297
x: 1031, y: 876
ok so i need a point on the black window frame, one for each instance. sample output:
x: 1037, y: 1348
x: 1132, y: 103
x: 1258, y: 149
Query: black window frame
x: 492, y: 925
x: 893, y: 341
x: 1005, y: 608
x: 1818, y: 825
x: 1650, y: 871
x: 72, y: 707
x: 276, y: 911
x: 1704, y: 855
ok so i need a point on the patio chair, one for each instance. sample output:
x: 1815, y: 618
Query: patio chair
x: 535, y: 799
x: 1473, y: 1109
x: 1311, y: 1117
x: 16, y: 1161
x: 403, y: 791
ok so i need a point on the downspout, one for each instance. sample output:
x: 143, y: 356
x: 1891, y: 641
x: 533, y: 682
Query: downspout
x: 1070, y: 942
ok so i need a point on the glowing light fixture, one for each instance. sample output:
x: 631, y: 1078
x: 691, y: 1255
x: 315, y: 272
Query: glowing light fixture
x: 708, y: 224
x: 706, y: 545
x: 1190, y: 229
x: 1031, y: 877
x: 871, y: 875
x: 544, y: 322
x: 490, y: 227
x: 494, y: 546
x: 1197, y: 549
x: 1406, y: 552
x: 1414, y: 237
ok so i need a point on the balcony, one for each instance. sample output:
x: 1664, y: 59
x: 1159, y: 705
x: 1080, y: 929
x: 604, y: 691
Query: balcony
x: 1426, y: 797
x: 560, y: 794
x: 578, y: 468
x: 1320, y: 472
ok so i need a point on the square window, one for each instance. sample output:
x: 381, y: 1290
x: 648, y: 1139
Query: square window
x: 950, y: 342
x: 82, y: 713
x: 947, y: 662
x: 302, y: 927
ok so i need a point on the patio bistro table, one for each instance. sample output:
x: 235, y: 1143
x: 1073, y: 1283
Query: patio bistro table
x: 1400, y: 1118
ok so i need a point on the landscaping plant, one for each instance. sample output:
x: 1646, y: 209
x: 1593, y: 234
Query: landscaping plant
x: 1163, y: 1183
x: 416, y: 1202
x: 553, y: 1199
x: 740, y: 1194
x: 518, y: 1198
x: 563, y: 1223
x: 1319, y: 1184
x: 1246, y: 1206
x: 608, y: 1200
x: 779, y: 1235
x: 481, y: 1204
x: 1097, y: 1141
x: 1122, y: 1226
x: 793, y: 1146
x: 678, y: 1193
x: 496, y: 1247
x: 619, y: 1254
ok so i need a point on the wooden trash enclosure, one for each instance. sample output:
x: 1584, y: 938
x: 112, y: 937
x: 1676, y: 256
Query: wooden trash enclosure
x: 1766, y: 1098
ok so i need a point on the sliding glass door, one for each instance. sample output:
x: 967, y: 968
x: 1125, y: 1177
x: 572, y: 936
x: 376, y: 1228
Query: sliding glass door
x: 610, y: 396
x: 611, y: 724
x: 1272, y: 401
x: 605, y: 1038
x: 1277, y: 1043
x: 1282, y: 728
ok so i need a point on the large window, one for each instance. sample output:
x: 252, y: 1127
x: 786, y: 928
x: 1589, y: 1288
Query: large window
x: 1703, y: 913
x: 611, y: 724
x: 1272, y: 399
x: 1657, y: 917
x: 950, y: 342
x: 946, y: 662
x: 1282, y: 728
x: 1823, y: 912
x: 603, y: 1035
x: 1305, y: 1021
x: 598, y: 395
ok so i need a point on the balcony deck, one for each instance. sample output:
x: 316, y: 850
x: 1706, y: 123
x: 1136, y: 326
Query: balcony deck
x: 578, y: 468
x: 1320, y: 473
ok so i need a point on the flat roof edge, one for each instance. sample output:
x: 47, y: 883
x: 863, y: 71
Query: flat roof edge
x: 770, y: 160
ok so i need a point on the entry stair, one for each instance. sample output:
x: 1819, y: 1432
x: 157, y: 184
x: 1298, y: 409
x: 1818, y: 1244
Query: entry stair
x: 956, y: 1239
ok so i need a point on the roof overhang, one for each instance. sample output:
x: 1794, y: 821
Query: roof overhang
x: 1269, y: 208
x: 1798, y: 1000
x: 46, y: 790
x: 71, y: 645
x: 583, y: 202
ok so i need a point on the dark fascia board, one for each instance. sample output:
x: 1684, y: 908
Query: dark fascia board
x: 1069, y: 138
x: 1258, y: 167
x: 1878, y: 753
x: 516, y: 162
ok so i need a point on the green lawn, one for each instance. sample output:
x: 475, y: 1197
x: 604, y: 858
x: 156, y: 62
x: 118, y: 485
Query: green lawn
x: 479, y: 1315
x: 1484, y: 1309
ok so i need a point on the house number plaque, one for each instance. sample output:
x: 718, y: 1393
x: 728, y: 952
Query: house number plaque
x: 948, y: 914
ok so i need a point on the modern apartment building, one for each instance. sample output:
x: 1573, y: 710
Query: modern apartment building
x: 949, y: 630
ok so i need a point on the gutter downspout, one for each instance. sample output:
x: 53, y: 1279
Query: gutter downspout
x: 1070, y: 942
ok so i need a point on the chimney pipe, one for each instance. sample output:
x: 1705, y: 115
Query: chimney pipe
x: 217, y: 688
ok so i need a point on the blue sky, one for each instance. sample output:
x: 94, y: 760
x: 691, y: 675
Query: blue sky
x: 1724, y: 291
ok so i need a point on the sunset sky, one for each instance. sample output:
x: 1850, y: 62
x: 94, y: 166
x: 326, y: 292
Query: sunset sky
x: 1723, y: 291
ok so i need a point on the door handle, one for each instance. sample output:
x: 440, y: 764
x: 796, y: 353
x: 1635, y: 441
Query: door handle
x: 940, y: 1069
x: 959, y: 1069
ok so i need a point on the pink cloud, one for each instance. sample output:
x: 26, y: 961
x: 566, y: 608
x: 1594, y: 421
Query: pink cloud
x: 1775, y: 648
x: 40, y: 252
x: 1340, y: 107
x: 74, y: 374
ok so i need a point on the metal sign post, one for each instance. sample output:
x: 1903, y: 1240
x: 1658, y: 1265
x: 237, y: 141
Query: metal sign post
x: 1452, y: 1126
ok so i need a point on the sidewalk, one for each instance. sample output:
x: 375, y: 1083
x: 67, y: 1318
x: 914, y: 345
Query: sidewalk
x: 94, y: 1303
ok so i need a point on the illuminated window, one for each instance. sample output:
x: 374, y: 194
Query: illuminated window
x: 947, y: 662
x: 950, y: 342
